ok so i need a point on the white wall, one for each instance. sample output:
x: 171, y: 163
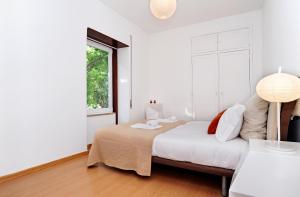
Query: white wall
x: 42, y: 77
x: 170, y: 69
x: 281, y: 36
x: 140, y: 92
x: 140, y: 80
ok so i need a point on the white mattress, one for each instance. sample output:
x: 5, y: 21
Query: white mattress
x: 191, y: 143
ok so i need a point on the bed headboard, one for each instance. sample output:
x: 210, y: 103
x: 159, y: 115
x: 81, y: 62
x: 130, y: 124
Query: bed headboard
x: 286, y: 114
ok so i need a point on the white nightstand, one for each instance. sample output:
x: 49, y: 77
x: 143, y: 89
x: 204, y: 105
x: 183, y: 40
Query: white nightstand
x: 264, y: 173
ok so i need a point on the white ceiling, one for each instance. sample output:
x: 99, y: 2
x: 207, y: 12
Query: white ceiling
x: 188, y: 11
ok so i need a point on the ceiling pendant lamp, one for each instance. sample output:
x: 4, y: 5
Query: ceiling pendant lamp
x: 163, y: 9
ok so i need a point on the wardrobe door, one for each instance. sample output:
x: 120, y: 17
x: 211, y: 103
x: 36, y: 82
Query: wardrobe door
x: 204, y: 44
x: 234, y: 78
x: 232, y: 40
x: 205, y: 86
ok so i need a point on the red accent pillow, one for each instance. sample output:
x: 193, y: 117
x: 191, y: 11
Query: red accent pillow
x: 212, y: 128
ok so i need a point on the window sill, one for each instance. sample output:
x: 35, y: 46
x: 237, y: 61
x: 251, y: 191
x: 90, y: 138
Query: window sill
x: 101, y: 114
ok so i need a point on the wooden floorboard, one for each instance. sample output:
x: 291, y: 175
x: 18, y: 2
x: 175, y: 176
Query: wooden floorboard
x: 72, y: 178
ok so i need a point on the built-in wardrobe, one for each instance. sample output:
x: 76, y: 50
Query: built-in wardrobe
x: 221, y: 67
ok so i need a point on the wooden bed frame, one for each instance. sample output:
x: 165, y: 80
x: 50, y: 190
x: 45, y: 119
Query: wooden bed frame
x: 225, y: 173
x: 193, y: 167
x: 286, y: 113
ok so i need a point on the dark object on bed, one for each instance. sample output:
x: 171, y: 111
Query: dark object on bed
x: 294, y: 130
x: 286, y: 114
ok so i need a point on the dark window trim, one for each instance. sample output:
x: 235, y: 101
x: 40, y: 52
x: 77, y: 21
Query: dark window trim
x: 115, y: 83
x: 95, y: 35
x: 115, y: 44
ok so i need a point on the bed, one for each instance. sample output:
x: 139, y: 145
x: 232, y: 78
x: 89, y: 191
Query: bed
x: 191, y: 143
x: 122, y: 146
x: 182, y: 144
x: 133, y: 149
x: 190, y: 147
x: 164, y: 149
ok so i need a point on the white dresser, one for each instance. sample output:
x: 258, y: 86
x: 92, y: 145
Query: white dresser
x: 264, y: 173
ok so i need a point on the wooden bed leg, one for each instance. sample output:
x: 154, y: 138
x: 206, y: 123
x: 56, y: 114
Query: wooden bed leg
x: 224, y: 186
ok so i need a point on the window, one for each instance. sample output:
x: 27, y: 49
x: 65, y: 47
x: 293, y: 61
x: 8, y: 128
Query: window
x: 99, y: 78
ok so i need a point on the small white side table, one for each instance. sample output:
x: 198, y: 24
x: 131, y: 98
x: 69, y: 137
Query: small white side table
x: 265, y: 173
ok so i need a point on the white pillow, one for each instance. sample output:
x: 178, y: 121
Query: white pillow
x: 255, y: 119
x: 230, y: 123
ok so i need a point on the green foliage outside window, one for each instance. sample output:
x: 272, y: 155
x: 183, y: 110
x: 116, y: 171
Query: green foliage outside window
x: 97, y: 78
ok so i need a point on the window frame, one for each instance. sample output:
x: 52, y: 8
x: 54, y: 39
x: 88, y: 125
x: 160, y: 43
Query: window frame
x: 100, y: 111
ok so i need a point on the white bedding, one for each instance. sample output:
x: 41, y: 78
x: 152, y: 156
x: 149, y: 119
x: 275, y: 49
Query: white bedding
x: 191, y: 143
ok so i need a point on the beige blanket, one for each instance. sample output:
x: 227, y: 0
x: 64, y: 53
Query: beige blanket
x: 126, y: 148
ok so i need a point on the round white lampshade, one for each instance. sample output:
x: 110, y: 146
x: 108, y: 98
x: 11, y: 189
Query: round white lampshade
x: 279, y: 87
x: 163, y: 9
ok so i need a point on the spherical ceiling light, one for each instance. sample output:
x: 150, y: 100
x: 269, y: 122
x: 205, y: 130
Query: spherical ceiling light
x: 163, y: 9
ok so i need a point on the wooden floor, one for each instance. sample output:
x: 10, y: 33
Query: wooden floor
x: 74, y: 179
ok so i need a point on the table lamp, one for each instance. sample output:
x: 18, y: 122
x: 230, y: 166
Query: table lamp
x: 279, y: 88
